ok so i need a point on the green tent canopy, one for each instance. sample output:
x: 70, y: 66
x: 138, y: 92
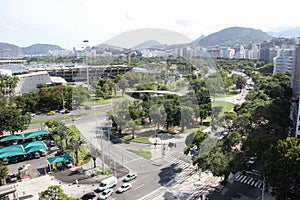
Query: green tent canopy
x: 12, y: 137
x: 35, y: 134
x: 22, y: 149
x: 59, y: 159
x: 24, y: 136
x: 13, y: 150
x: 34, y: 146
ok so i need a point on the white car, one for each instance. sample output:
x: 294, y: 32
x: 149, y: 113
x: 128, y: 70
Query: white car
x: 106, y: 193
x: 252, y: 160
x: 68, y: 164
x: 129, y: 177
x: 124, y: 187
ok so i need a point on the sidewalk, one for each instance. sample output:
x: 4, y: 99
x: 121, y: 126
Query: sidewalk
x: 29, y: 189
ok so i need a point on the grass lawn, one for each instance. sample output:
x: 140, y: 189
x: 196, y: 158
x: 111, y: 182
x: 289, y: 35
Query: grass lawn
x: 145, y: 154
x: 52, y: 119
x: 144, y: 140
x: 225, y: 107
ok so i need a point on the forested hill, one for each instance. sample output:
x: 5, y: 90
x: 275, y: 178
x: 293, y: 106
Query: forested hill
x: 233, y: 36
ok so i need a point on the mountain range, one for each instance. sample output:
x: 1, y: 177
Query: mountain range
x: 13, y: 51
x: 227, y: 37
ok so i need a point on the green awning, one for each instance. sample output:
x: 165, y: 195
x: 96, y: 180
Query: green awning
x: 35, y: 134
x: 59, y: 159
x: 12, y: 137
x: 13, y: 150
x: 34, y: 146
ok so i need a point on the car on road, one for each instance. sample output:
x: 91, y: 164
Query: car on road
x: 252, y: 160
x: 76, y: 118
x: 124, y: 187
x: 106, y: 193
x: 89, y: 195
x: 129, y: 177
x: 107, y: 183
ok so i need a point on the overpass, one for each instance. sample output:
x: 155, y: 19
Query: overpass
x: 137, y: 94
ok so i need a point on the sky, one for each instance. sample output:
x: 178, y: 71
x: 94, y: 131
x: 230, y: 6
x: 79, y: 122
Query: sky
x: 68, y: 23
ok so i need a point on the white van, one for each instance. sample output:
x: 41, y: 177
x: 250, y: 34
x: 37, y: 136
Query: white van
x: 108, y: 183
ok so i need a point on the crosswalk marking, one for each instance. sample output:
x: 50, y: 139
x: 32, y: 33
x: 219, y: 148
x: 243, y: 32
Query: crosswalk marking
x: 249, y: 180
x: 180, y: 163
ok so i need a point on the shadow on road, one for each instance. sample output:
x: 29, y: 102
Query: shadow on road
x: 168, y: 173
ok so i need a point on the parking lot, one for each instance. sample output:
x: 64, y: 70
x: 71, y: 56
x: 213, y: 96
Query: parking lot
x: 36, y: 166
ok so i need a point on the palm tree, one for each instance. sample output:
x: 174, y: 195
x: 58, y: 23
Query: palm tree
x: 94, y: 154
x: 61, y: 130
x: 74, y: 146
x: 3, y: 173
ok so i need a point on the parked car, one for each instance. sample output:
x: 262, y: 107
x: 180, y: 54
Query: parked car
x: 43, y: 153
x: 68, y: 164
x: 51, y: 113
x: 106, y: 193
x: 89, y: 195
x: 36, y: 155
x: 124, y: 187
x: 12, y: 177
x: 52, y: 143
x: 129, y: 177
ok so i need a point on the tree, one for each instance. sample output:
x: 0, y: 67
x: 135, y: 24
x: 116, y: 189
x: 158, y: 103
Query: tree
x: 94, y: 154
x: 186, y: 117
x: 74, y: 146
x: 3, y: 173
x: 157, y: 115
x: 8, y: 84
x: 120, y: 115
x: 240, y: 82
x: 132, y: 126
x: 54, y: 192
x: 123, y: 85
x: 62, y: 131
x: 282, y: 168
x: 80, y: 94
x: 12, y: 119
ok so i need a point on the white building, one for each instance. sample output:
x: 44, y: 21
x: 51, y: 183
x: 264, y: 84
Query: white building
x: 283, y: 62
x: 30, y: 82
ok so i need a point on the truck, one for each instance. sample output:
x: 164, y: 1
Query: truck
x: 107, y: 183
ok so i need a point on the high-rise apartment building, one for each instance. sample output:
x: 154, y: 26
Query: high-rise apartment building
x: 283, y: 62
x: 296, y: 70
x: 295, y: 109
